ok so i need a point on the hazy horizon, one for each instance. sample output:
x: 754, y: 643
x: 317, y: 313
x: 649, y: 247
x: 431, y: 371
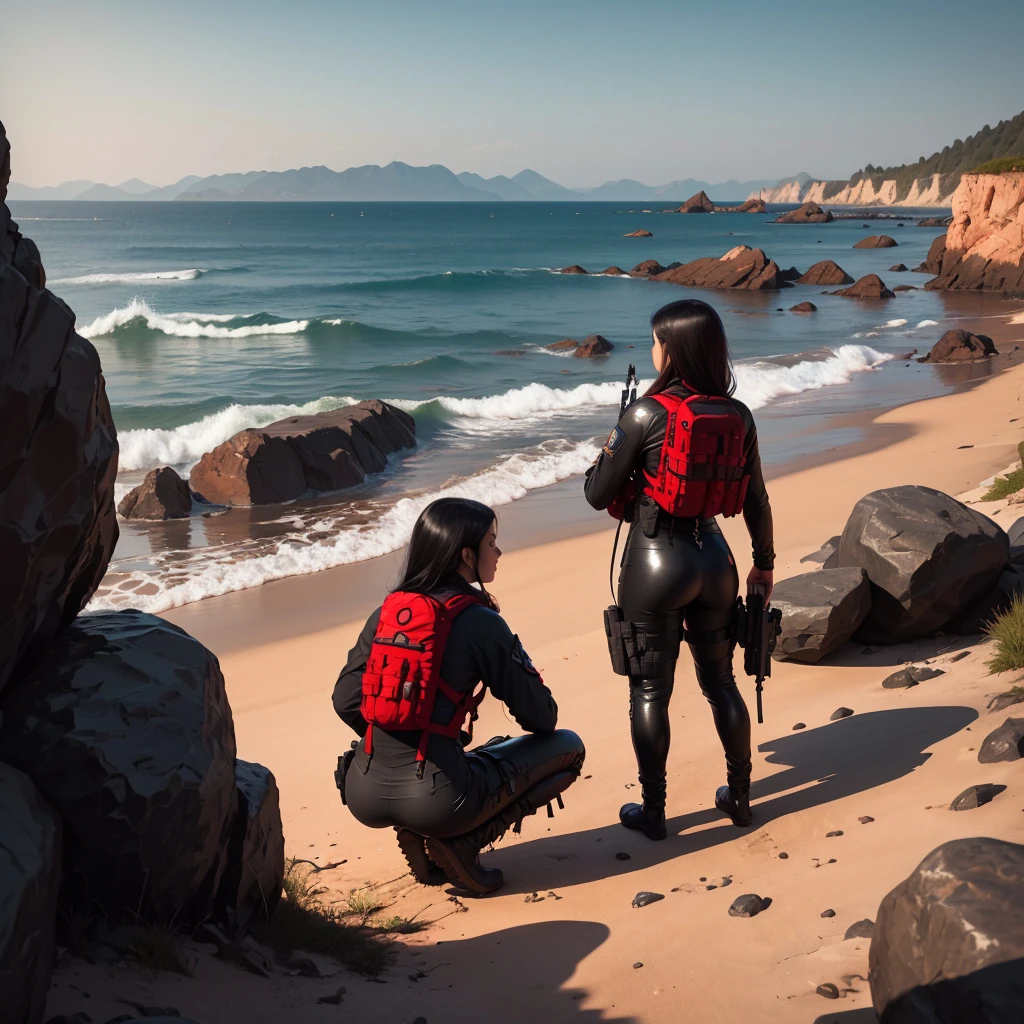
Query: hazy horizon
x: 582, y: 93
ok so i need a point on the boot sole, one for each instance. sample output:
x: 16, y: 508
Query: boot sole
x: 443, y: 856
x: 412, y: 845
x: 739, y: 823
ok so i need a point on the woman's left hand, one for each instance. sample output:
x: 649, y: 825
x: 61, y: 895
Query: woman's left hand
x: 766, y: 577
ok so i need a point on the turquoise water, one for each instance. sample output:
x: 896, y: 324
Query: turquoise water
x: 213, y: 317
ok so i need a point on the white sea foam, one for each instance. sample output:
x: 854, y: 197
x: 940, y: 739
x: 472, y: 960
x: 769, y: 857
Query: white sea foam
x: 154, y: 275
x: 214, y: 571
x: 891, y: 323
x: 928, y: 323
x: 145, y: 448
x: 182, y: 325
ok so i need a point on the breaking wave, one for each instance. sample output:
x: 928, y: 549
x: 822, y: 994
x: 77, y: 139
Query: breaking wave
x: 135, y: 278
x: 138, y: 314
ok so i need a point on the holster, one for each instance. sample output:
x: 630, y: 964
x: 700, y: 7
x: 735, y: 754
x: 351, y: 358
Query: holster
x: 621, y: 636
x: 344, y: 763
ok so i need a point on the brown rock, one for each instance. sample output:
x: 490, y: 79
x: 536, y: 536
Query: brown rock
x: 648, y: 268
x: 876, y: 242
x: 825, y: 272
x: 985, y: 242
x: 742, y: 267
x: 592, y: 346
x: 698, y: 204
x: 898, y: 268
x: 325, y: 452
x: 871, y: 286
x: 750, y: 206
x: 162, y: 495
x: 935, y: 222
x: 803, y: 307
x: 933, y: 261
x: 958, y: 346
x: 574, y: 269
x: 639, y: 234
x: 58, y: 461
x: 809, y: 213
x: 906, y: 288
x: 566, y: 345
x: 614, y: 271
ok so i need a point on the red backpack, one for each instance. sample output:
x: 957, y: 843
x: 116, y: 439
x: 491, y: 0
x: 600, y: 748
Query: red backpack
x: 402, y: 677
x: 702, y: 470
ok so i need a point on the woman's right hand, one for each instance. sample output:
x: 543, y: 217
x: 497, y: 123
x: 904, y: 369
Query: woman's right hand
x: 764, y: 577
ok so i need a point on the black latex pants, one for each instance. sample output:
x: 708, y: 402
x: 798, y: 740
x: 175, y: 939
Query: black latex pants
x: 681, y: 578
x: 386, y: 790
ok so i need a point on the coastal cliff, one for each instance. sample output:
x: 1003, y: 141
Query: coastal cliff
x: 933, y: 190
x: 985, y: 243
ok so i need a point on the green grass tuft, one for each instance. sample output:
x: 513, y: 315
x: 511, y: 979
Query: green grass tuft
x: 1004, y: 486
x: 1002, y: 165
x: 363, y: 904
x: 1008, y: 633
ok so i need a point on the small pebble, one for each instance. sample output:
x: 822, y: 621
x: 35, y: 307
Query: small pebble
x: 799, y: 725
x: 865, y: 819
x: 828, y: 990
x: 638, y: 965
x: 840, y: 713
x: 644, y: 899
x: 783, y: 856
x: 702, y: 879
x: 832, y: 835
x: 828, y: 913
x: 622, y: 856
x: 533, y: 898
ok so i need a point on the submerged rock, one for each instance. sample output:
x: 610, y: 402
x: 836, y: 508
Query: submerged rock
x: 647, y: 268
x: 957, y: 346
x: 162, y: 495
x: 898, y: 268
x: 870, y: 286
x: 593, y: 346
x: 876, y: 242
x: 825, y: 272
x: 809, y: 213
x: 574, y: 269
x: 804, y: 307
x: 697, y: 204
x: 741, y: 268
x: 639, y: 234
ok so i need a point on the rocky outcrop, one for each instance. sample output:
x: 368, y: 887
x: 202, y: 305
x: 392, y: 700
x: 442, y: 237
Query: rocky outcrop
x: 809, y: 213
x: 804, y: 307
x: 825, y: 272
x: 647, y: 268
x: 574, y: 269
x: 162, y: 495
x: 565, y: 345
x: 741, y: 267
x: 948, y: 942
x: 641, y: 233
x: 935, y: 222
x: 592, y: 346
x: 820, y: 612
x: 984, y: 246
x: 324, y: 452
x: 613, y: 271
x: 125, y: 729
x: 957, y: 346
x: 870, y: 286
x: 876, y: 242
x: 698, y: 204
x: 58, y: 460
x: 30, y: 849
x: 898, y: 268
x: 927, y: 556
x: 933, y: 261
x: 750, y: 206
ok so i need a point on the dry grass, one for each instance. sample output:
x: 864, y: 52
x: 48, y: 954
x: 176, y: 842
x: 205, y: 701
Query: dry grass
x: 1007, y: 631
x: 157, y: 948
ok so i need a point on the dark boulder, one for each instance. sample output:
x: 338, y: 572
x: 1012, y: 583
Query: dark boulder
x: 809, y: 213
x: 933, y: 261
x: 926, y: 554
x: 792, y: 274
x: 574, y: 269
x: 162, y: 495
x: 870, y: 286
x: 804, y: 307
x: 820, y: 611
x: 327, y: 451
x: 58, y: 461
x: 898, y: 268
x: 698, y: 204
x: 1005, y: 743
x: 646, y: 268
x: 125, y: 728
x: 904, y: 678
x: 251, y: 886
x: 957, y: 346
x: 30, y: 849
x: 592, y: 347
x: 741, y: 267
x: 565, y: 345
x: 974, y: 797
x: 948, y: 945
x: 641, y: 233
x: 876, y: 242
x: 934, y: 222
x: 825, y: 272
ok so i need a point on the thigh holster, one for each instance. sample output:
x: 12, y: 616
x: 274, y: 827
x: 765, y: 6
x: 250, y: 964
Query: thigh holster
x: 636, y: 649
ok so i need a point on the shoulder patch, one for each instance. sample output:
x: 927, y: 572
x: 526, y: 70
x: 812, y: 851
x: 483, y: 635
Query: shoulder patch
x: 520, y: 657
x: 615, y: 441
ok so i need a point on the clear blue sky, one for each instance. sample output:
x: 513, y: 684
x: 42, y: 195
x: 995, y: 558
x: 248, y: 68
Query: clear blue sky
x: 582, y: 92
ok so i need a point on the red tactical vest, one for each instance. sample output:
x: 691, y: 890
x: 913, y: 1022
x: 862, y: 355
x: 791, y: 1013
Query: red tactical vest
x: 402, y: 677
x: 702, y: 470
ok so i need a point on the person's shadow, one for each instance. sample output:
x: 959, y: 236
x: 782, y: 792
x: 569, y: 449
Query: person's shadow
x: 828, y: 763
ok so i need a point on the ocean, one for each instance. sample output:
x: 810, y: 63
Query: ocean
x: 213, y: 317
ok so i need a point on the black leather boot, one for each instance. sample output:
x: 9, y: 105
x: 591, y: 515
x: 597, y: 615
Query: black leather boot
x: 648, y: 817
x: 414, y: 849
x: 734, y: 799
x: 460, y: 860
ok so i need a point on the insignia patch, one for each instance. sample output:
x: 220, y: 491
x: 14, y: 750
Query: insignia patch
x: 520, y: 657
x: 615, y: 441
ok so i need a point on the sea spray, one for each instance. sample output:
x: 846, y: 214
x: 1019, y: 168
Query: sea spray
x: 197, y: 325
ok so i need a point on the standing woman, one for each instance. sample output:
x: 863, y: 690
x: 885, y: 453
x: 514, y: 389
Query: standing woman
x: 410, y: 692
x: 678, y: 578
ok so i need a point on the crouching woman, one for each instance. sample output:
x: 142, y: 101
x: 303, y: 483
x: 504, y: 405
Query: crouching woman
x: 410, y: 691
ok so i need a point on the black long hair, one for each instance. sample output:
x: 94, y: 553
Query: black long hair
x: 444, y: 528
x: 696, y: 349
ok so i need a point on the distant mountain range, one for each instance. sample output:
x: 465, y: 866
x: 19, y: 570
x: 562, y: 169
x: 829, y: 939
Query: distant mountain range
x: 396, y: 182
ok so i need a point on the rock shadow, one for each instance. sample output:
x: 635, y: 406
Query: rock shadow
x: 834, y: 761
x: 865, y: 1015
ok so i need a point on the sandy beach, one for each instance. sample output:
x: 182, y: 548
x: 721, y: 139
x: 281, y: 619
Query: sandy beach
x: 561, y: 941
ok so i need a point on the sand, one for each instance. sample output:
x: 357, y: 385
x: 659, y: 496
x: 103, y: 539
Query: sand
x: 572, y: 953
